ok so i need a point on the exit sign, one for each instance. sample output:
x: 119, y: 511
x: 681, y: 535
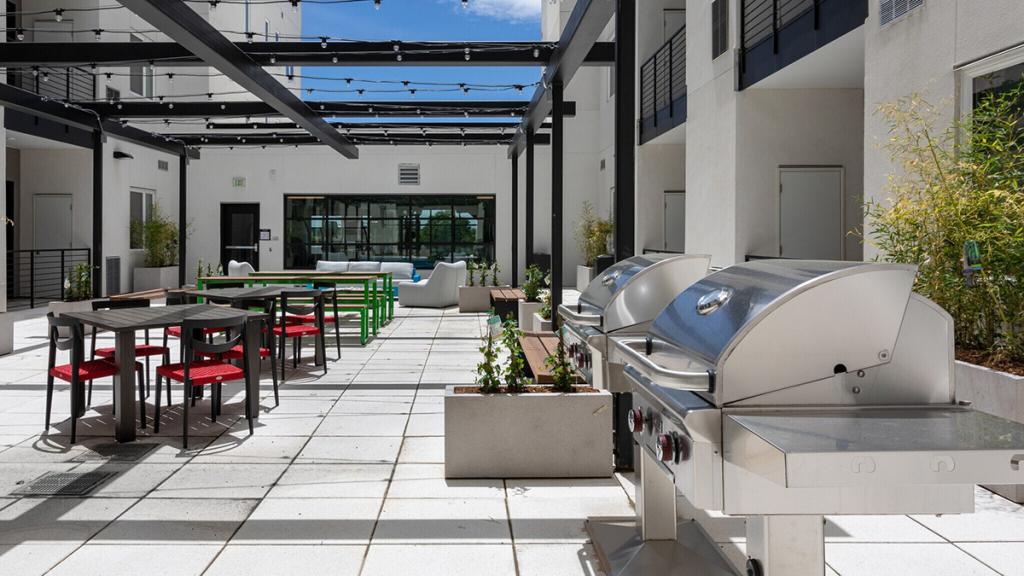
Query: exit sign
x: 238, y: 182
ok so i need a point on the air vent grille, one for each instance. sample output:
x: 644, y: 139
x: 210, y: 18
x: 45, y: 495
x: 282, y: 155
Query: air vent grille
x: 162, y: 165
x: 891, y: 10
x: 113, y: 275
x: 409, y: 174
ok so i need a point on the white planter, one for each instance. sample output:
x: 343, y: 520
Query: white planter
x: 154, y: 278
x: 997, y: 393
x: 6, y: 333
x: 542, y: 325
x: 527, y: 435
x: 584, y: 274
x: 527, y: 310
x: 59, y: 308
x: 475, y: 298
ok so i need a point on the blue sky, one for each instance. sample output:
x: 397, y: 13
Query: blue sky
x: 494, y: 20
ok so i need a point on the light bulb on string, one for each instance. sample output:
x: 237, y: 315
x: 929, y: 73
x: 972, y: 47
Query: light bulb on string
x: 536, y: 52
x: 295, y: 6
x: 360, y: 93
x: 46, y: 76
x: 348, y: 82
x: 376, y: 4
x: 108, y: 75
x: 170, y: 78
x: 99, y: 33
x: 58, y: 14
x: 213, y: 5
x: 399, y: 57
x: 273, y: 58
x: 248, y: 37
x: 35, y: 71
x: 412, y: 93
x: 465, y: 4
x: 323, y: 41
x: 152, y: 65
x: 209, y: 96
x: 19, y: 34
x: 334, y: 58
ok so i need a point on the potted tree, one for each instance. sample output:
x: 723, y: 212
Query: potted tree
x: 503, y: 427
x: 954, y: 208
x: 158, y: 236
x: 476, y: 296
x: 77, y: 295
x: 592, y: 235
x: 531, y: 288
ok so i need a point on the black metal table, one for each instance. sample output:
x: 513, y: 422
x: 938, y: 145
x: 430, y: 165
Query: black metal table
x: 240, y: 297
x: 125, y: 322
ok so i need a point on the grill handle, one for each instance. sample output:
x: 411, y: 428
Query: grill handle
x: 581, y: 319
x: 674, y: 379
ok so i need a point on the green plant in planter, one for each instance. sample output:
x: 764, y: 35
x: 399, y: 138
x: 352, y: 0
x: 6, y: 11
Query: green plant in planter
x: 545, y: 310
x: 592, y: 234
x: 158, y: 236
x: 78, y: 283
x: 471, y: 272
x: 488, y: 372
x: 532, y: 284
x: 199, y: 269
x: 495, y: 268
x: 562, y: 371
x: 957, y: 189
x: 516, y: 379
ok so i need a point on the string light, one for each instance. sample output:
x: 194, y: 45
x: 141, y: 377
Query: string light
x: 46, y: 76
x: 213, y: 5
x: 323, y: 41
x: 170, y: 78
x: 360, y: 92
x: 209, y: 96
x: 35, y: 71
x: 376, y: 4
x: 291, y: 79
x: 348, y: 82
x: 467, y: 52
x: 465, y: 4
x: 20, y: 34
x: 108, y: 75
x: 295, y: 6
x: 58, y: 14
x: 152, y: 66
x: 334, y: 58
x: 273, y: 58
x: 170, y: 104
x: 536, y: 52
x: 412, y: 93
x: 248, y: 37
x: 399, y: 57
x: 99, y: 33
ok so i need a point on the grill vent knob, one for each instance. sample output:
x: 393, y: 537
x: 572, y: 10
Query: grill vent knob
x: 665, y: 447
x: 636, y: 420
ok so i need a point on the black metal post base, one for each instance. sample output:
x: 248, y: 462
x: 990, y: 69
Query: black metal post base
x: 622, y: 404
x: 622, y: 552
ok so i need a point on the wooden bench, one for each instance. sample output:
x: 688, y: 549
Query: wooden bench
x: 537, y: 346
x: 505, y: 301
x: 154, y: 294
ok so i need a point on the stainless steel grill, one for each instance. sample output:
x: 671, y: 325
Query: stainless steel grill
x: 787, y: 390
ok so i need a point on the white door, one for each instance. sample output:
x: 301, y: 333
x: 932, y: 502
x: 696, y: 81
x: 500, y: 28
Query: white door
x: 53, y: 217
x: 811, y: 213
x: 675, y: 221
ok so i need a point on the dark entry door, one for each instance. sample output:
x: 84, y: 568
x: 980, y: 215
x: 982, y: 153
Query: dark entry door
x: 239, y: 234
x: 9, y: 228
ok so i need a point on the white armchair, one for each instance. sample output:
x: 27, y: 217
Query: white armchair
x: 441, y: 289
x: 240, y: 269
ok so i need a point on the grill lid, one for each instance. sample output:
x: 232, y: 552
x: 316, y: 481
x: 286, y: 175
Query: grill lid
x: 600, y: 291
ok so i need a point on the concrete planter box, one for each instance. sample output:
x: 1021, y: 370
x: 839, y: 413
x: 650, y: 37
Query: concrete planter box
x: 6, y: 333
x: 527, y: 435
x: 153, y: 278
x: 527, y: 311
x: 59, y: 308
x: 542, y: 325
x: 997, y: 393
x: 584, y: 275
x: 475, y: 298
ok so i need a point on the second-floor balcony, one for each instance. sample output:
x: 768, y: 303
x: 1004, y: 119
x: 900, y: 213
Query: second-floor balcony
x: 663, y: 88
x: 74, y: 84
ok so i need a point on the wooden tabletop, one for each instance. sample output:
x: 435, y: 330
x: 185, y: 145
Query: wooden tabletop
x: 126, y: 319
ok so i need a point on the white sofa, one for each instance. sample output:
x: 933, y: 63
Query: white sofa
x: 400, y: 271
x: 240, y: 269
x: 440, y: 290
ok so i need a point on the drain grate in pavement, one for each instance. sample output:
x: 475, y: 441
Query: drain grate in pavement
x: 115, y: 452
x: 63, y: 484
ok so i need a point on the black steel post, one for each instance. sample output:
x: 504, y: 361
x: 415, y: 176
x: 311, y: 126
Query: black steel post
x: 97, y: 214
x: 515, y: 219
x: 530, y: 230
x: 182, y: 215
x: 625, y: 127
x: 557, y: 148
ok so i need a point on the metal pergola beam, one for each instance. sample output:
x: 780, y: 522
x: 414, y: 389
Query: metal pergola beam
x: 35, y: 105
x: 185, y: 26
x: 172, y: 54
x: 379, y: 138
x: 260, y: 110
x: 586, y: 23
x: 445, y: 125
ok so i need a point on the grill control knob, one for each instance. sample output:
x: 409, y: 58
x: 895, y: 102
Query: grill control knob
x: 636, y: 420
x: 665, y: 448
x: 684, y: 446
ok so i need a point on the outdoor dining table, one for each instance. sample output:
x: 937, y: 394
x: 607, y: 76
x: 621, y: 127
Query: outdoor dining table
x: 125, y: 322
x: 238, y: 298
x: 385, y: 277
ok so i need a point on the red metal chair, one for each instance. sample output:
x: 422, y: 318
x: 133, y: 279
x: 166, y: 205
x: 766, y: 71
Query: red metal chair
x: 314, y: 306
x: 79, y: 371
x: 193, y: 373
x: 141, y: 350
x: 236, y: 353
x: 330, y: 293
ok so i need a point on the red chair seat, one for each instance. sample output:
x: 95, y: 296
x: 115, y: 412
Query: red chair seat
x: 140, y: 350
x: 88, y: 370
x: 235, y: 353
x: 296, y: 330
x: 202, y: 372
x: 175, y: 331
x: 311, y: 318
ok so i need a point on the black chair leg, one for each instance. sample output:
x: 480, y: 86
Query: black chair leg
x: 88, y: 397
x: 184, y: 424
x: 74, y: 408
x: 167, y: 360
x: 337, y: 336
x: 142, y: 398
x: 296, y: 344
x: 213, y: 402
x: 49, y: 398
x: 156, y: 413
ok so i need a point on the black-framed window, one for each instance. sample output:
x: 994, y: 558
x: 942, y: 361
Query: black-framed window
x: 420, y: 229
x: 719, y: 27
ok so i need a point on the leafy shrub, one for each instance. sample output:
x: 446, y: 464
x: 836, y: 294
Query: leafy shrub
x: 488, y: 372
x: 955, y: 187
x: 562, y: 371
x: 495, y: 268
x: 516, y: 379
x: 158, y: 236
x: 592, y: 235
x: 471, y: 273
x: 78, y: 283
x: 532, y: 284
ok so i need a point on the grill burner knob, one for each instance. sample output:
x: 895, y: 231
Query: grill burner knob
x: 665, y: 447
x: 636, y: 420
x: 683, y: 447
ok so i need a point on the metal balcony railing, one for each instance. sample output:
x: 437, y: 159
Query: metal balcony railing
x: 663, y: 88
x: 59, y: 83
x: 38, y: 275
x: 762, y: 19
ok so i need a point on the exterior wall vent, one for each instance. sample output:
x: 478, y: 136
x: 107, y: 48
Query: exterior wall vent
x: 890, y: 11
x: 409, y: 174
x: 162, y: 165
x: 113, y: 269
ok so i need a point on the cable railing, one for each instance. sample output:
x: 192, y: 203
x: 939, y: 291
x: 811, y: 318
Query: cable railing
x: 61, y: 83
x: 38, y: 275
x: 663, y: 88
